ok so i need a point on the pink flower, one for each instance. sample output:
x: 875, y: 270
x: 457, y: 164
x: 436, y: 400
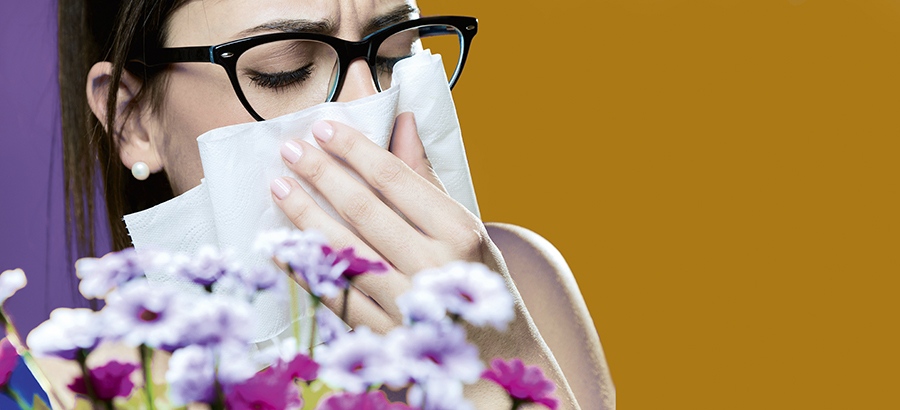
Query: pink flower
x: 109, y: 381
x: 9, y: 358
x: 523, y: 383
x: 357, y: 266
x: 301, y: 367
x: 269, y: 389
x: 375, y: 400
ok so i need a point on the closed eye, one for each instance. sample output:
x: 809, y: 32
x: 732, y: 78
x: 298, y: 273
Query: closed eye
x: 282, y: 79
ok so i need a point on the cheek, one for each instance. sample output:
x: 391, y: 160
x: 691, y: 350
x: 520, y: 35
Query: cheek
x: 199, y: 98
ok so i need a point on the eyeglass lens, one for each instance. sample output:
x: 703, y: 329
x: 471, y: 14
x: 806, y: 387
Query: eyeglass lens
x: 282, y: 77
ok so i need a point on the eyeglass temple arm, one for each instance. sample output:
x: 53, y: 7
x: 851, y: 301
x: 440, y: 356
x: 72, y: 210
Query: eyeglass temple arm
x: 180, y: 55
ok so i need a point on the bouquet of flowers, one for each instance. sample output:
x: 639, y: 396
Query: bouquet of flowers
x: 202, y: 337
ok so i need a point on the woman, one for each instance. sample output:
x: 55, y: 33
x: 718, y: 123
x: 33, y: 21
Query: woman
x: 146, y: 118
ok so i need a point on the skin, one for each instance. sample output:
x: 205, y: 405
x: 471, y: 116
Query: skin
x: 200, y: 98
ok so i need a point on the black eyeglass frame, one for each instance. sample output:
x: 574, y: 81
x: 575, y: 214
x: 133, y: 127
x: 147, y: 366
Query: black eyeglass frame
x: 227, y: 54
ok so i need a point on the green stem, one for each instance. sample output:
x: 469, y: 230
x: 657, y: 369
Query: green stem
x: 295, y: 313
x: 312, y: 333
x: 15, y: 396
x: 346, y: 302
x: 81, y: 358
x: 146, y: 361
x: 516, y: 403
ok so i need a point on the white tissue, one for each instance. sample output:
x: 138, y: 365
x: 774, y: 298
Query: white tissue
x: 233, y: 202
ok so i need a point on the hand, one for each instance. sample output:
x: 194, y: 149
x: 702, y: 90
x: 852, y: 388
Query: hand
x: 432, y: 229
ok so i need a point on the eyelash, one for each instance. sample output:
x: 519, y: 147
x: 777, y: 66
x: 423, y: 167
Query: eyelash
x: 282, y: 79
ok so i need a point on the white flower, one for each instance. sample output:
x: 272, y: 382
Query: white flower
x: 329, y: 326
x: 11, y: 281
x: 355, y: 361
x: 215, y: 319
x: 420, y: 306
x: 67, y: 331
x: 191, y: 375
x: 435, y: 351
x: 469, y: 290
x: 234, y: 364
x: 100, y: 276
x: 141, y: 313
x: 287, y: 244
x: 207, y: 266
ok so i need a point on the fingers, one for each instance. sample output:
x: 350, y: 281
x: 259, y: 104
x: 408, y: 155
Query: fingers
x: 305, y: 214
x: 432, y: 210
x: 406, y: 145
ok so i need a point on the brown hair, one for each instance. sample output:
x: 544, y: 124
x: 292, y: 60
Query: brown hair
x: 91, y: 31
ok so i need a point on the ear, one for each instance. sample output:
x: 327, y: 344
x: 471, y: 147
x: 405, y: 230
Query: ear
x: 133, y: 141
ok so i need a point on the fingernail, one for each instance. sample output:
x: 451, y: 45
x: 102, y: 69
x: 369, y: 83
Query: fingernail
x: 291, y: 151
x: 280, y: 188
x: 323, y: 131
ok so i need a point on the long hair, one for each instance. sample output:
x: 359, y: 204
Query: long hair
x: 91, y: 31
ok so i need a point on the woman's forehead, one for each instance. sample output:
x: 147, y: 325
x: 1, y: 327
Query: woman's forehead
x: 201, y: 23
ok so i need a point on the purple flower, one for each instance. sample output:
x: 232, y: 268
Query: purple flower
x: 375, y: 400
x: 100, y: 276
x: 355, y: 265
x: 109, y: 381
x: 207, y: 266
x: 11, y: 281
x: 439, y: 394
x: 429, y: 351
x: 356, y: 361
x: 234, y: 364
x: 191, y: 375
x: 213, y: 320
x: 141, y: 313
x: 286, y: 244
x: 268, y: 389
x: 329, y: 326
x: 263, y: 278
x: 302, y: 251
x: 420, y: 306
x: 524, y: 383
x: 67, y: 331
x: 9, y: 358
x: 469, y: 290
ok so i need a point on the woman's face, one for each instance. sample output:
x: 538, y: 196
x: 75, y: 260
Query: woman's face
x: 199, y: 97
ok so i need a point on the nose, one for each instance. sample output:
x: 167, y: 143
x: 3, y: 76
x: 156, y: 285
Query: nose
x: 358, y: 83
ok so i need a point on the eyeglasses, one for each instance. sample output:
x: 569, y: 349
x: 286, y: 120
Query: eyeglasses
x: 281, y: 73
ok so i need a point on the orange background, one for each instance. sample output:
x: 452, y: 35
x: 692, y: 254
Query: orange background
x: 720, y: 174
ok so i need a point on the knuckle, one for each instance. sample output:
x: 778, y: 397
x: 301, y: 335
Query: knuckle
x: 342, y: 145
x: 298, y: 213
x: 359, y: 209
x: 466, y: 240
x: 314, y: 169
x: 386, y: 172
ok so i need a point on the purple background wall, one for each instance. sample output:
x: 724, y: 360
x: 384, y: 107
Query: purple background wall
x: 31, y: 190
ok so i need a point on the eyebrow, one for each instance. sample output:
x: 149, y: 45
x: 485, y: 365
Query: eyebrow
x: 399, y: 14
x: 292, y: 26
x: 328, y: 27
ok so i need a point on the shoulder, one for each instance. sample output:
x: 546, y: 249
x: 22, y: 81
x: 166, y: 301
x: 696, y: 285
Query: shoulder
x: 516, y: 241
x: 527, y: 253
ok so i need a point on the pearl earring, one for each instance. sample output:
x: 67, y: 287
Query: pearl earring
x: 140, y: 171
